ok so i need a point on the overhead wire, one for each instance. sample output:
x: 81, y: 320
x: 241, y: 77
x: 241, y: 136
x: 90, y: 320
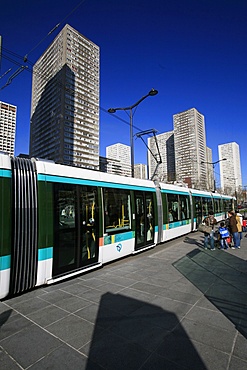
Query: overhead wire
x: 47, y: 78
x: 52, y: 30
x: 26, y: 60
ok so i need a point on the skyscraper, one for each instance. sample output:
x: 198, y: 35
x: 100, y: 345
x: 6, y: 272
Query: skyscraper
x: 190, y: 148
x: 211, y: 181
x: 140, y: 171
x: 230, y: 170
x: 65, y: 101
x: 119, y: 153
x: 165, y: 171
x: 7, y: 127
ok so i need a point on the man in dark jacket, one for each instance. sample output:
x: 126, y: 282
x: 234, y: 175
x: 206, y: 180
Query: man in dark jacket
x: 233, y: 229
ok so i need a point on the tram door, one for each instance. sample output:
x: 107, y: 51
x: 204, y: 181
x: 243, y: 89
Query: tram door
x: 144, y: 220
x: 75, y: 228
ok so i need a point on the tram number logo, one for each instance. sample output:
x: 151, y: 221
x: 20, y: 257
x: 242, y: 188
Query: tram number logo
x: 119, y: 247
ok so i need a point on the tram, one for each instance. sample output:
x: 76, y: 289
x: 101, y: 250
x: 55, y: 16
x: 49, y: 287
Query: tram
x: 59, y: 221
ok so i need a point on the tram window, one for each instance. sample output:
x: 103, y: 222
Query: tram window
x: 117, y: 215
x: 89, y: 219
x: 227, y: 204
x: 206, y: 206
x: 172, y: 207
x: 216, y: 205
x: 184, y: 207
x: 198, y: 206
x: 66, y: 208
x: 65, y: 226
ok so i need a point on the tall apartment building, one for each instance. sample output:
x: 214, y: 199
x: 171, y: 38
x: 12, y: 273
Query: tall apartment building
x: 211, y: 180
x: 164, y: 171
x: 230, y: 170
x: 7, y: 127
x: 121, y: 153
x: 140, y: 171
x: 65, y: 101
x: 190, y: 148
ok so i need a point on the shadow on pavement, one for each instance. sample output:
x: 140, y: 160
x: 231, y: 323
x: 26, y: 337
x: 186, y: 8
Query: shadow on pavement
x: 222, y: 278
x: 132, y: 334
x: 4, y: 316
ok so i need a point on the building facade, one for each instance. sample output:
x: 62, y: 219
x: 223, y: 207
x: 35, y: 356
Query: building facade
x: 211, y: 180
x: 230, y: 169
x: 119, y: 154
x: 164, y: 171
x: 140, y: 171
x: 7, y: 127
x: 190, y: 148
x: 65, y: 101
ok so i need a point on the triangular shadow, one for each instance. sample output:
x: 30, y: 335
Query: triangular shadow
x: 132, y: 334
x: 222, y: 278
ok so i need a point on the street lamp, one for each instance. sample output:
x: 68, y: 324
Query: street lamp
x: 214, y: 163
x: 152, y: 92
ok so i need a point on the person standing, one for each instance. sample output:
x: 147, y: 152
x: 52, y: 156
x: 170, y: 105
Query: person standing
x: 224, y: 234
x: 209, y: 238
x: 233, y: 229
x: 244, y: 224
x: 239, y: 219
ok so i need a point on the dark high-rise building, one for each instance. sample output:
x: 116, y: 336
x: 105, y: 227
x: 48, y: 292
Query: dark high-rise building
x: 65, y: 101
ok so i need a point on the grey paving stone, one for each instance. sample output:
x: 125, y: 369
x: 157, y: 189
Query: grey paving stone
x: 191, y: 354
x: 159, y: 317
x: 47, y: 315
x: 12, y: 324
x: 72, y: 330
x: 138, y: 330
x: 29, y: 305
x: 138, y: 295
x: 180, y: 309
x: 207, y: 334
x: 156, y: 362
x: 206, y: 316
x: 30, y: 345
x: 64, y: 358
x: 114, y: 352
x: 92, y: 295
x: 240, y: 347
x: 102, y: 317
x: 237, y: 364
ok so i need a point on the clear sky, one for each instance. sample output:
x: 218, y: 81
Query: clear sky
x: 194, y: 52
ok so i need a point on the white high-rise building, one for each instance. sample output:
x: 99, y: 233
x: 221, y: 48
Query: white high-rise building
x: 65, y: 101
x: 161, y: 147
x: 230, y: 169
x: 140, y: 171
x: 190, y: 148
x: 122, y: 154
x: 7, y: 127
x: 211, y: 180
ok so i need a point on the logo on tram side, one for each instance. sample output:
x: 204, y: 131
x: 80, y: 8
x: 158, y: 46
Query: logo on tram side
x: 119, y: 247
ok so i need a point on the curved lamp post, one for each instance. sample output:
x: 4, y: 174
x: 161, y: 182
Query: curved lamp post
x: 152, y: 92
x: 213, y: 164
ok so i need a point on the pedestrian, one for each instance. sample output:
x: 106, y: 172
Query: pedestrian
x: 239, y: 219
x: 233, y: 229
x: 209, y: 238
x: 244, y: 224
x: 224, y: 234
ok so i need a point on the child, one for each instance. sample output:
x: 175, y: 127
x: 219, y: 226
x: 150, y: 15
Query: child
x: 224, y: 234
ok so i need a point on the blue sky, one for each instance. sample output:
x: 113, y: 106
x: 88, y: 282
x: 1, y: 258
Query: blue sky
x: 193, y: 52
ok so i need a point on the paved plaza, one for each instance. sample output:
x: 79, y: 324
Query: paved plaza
x: 173, y: 307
